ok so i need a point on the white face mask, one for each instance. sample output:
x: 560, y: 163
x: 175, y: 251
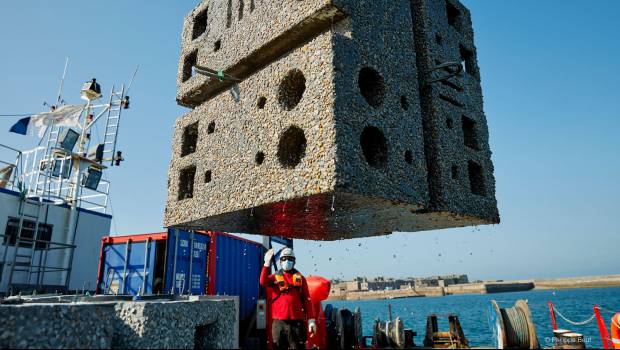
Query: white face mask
x: 287, y: 265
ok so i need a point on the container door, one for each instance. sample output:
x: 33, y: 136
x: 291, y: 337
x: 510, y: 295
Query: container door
x: 128, y: 268
x: 186, y: 262
x: 237, y: 269
x: 199, y: 270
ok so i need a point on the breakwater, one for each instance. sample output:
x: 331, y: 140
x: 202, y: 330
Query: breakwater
x: 486, y: 287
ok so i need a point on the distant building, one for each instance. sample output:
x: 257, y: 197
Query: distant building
x: 361, y: 284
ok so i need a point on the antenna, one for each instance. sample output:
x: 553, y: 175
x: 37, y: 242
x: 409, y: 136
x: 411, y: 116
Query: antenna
x: 62, y: 83
x: 132, y: 78
x: 59, y: 97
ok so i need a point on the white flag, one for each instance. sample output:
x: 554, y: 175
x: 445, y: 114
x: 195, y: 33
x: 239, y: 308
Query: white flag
x: 67, y: 115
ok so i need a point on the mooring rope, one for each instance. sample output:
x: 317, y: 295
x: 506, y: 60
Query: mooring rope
x: 608, y: 310
x: 575, y: 323
x: 517, y: 331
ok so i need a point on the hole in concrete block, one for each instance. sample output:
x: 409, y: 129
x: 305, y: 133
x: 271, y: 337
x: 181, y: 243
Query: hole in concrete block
x: 217, y: 46
x: 438, y: 39
x: 262, y: 101
x: 476, y: 179
x: 211, y: 128
x: 292, y: 147
x: 408, y: 157
x: 449, y: 123
x: 454, y: 16
x: 200, y: 24
x: 292, y: 89
x: 468, y: 60
x: 190, y: 139
x: 259, y: 158
x: 229, y: 14
x: 188, y: 65
x: 208, y: 176
x: 186, y: 182
x: 455, y: 172
x: 374, y: 146
x: 205, y: 337
x: 470, y: 133
x: 404, y: 103
x: 372, y: 86
x: 241, y: 8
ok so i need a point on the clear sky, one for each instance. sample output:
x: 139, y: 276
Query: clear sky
x: 550, y: 73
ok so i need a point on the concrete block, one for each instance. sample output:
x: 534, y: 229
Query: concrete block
x: 456, y: 132
x: 241, y: 36
x: 183, y: 323
x: 324, y: 142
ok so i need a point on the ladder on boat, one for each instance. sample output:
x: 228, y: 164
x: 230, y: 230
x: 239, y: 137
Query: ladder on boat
x: 117, y: 103
x: 26, y: 245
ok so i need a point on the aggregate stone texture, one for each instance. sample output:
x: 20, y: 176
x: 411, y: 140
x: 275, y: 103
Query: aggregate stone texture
x: 208, y: 323
x: 351, y: 91
x: 241, y: 36
x: 461, y: 179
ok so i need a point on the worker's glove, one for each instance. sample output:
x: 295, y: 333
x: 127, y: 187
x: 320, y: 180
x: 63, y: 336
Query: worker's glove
x: 268, y: 257
x: 311, y: 327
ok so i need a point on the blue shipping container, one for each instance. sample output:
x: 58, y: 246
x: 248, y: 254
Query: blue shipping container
x: 236, y: 271
x: 160, y: 263
x: 128, y: 266
x: 186, y: 275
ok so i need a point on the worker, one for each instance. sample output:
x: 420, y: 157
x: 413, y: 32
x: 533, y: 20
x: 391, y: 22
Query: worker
x: 290, y: 302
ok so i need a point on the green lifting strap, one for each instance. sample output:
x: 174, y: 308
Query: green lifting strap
x: 219, y: 74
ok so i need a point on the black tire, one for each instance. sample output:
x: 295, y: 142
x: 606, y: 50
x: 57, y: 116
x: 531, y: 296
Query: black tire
x: 330, y: 325
x: 346, y: 329
x: 357, y: 326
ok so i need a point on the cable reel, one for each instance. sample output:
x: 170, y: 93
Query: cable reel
x: 513, y: 327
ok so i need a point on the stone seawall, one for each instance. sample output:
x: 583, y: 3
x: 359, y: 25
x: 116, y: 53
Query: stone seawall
x: 183, y: 323
x: 484, y: 288
x: 579, y: 282
x: 457, y: 289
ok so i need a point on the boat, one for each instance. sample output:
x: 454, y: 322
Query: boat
x: 54, y: 197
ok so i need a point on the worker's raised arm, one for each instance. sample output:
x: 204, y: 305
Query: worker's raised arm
x: 266, y: 279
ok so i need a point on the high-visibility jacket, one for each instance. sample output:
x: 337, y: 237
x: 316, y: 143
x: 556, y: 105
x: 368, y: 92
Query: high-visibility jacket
x: 288, y: 292
x: 615, y: 331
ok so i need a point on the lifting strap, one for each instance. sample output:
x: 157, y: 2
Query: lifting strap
x: 219, y: 75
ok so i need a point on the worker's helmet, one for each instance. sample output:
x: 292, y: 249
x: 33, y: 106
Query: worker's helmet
x: 287, y: 253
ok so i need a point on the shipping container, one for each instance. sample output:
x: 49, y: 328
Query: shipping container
x: 236, y: 270
x: 182, y: 262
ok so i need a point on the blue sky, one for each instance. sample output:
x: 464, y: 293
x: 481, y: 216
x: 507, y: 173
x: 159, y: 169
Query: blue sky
x: 550, y: 74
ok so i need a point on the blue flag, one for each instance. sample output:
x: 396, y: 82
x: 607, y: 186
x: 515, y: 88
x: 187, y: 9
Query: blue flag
x: 21, y: 127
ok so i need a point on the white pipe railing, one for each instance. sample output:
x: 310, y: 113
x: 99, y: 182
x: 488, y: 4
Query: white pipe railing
x: 34, y: 170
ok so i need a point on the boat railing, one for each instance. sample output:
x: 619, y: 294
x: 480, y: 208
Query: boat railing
x: 50, y: 174
x: 38, y: 250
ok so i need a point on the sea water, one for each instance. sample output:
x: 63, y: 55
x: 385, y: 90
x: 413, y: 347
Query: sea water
x: 473, y: 312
